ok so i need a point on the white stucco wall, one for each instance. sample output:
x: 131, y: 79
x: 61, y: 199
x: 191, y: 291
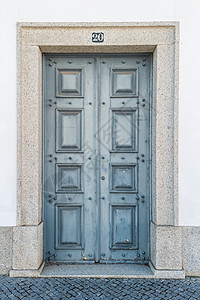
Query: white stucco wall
x: 12, y: 11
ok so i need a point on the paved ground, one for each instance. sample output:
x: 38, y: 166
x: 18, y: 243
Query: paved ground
x: 94, y: 288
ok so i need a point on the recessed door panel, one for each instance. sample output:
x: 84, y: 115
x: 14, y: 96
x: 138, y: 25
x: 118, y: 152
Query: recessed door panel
x: 96, y: 158
x: 124, y: 178
x: 68, y: 226
x: 68, y: 178
x: 124, y: 227
x: 124, y: 130
x: 125, y: 82
x: 68, y: 130
x: 68, y: 82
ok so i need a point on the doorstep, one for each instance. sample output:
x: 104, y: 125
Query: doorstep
x: 99, y: 271
x: 108, y: 271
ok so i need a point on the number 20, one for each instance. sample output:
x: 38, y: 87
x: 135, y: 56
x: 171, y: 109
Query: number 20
x: 97, y: 37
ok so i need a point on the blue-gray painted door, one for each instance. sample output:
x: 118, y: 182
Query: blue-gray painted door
x: 96, y: 157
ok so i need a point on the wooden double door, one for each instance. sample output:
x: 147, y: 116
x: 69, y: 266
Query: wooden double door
x: 96, y: 157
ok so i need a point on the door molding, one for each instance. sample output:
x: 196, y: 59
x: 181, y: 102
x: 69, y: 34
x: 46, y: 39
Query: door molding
x: 159, y: 38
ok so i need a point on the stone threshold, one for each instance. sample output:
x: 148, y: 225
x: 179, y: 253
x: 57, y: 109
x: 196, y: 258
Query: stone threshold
x: 99, y: 271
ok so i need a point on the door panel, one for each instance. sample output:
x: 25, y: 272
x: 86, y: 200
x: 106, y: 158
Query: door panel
x: 68, y: 227
x: 69, y: 180
x: 124, y: 130
x: 124, y: 133
x: 96, y: 158
x: 68, y: 130
x: 124, y: 227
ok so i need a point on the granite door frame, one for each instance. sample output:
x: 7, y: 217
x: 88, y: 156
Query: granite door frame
x: 159, y: 38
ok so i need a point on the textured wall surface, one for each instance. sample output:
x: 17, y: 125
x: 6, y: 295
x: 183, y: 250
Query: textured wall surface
x: 27, y: 247
x: 5, y: 249
x: 191, y: 251
x: 166, y: 247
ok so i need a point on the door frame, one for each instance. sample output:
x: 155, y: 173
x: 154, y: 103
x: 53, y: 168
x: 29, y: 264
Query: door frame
x: 159, y: 38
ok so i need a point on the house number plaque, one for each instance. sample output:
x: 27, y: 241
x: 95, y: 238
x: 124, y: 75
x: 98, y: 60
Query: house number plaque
x: 97, y: 37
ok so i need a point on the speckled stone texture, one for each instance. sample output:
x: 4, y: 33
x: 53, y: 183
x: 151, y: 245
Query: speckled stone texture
x: 27, y: 247
x: 191, y: 251
x: 5, y: 249
x: 166, y: 247
x: 109, y: 271
x: 80, y: 34
x: 163, y: 137
x: 97, y: 270
x: 27, y: 273
x: 29, y: 205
